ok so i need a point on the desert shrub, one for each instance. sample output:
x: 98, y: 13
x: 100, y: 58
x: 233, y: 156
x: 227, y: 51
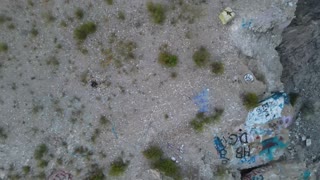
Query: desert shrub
x: 84, y: 151
x: 34, y: 32
x: 126, y: 48
x: 118, y: 167
x: 201, y: 119
x: 3, y: 135
x: 26, y: 169
x: 11, y: 26
x: 167, y: 59
x: 96, y: 174
x: 157, y: 12
x: 49, y: 18
x: 104, y: 120
x: 250, y: 100
x: 63, y: 23
x: 153, y: 153
x: 168, y: 167
x: 197, y: 125
x: 121, y: 15
x: 201, y: 57
x: 217, y: 68
x: 109, y: 2
x: 3, y: 47
x: 82, y: 31
x: 293, y: 98
x: 4, y: 18
x: 79, y: 13
x: 42, y: 163
x: 40, y: 151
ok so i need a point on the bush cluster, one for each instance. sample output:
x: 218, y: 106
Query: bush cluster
x: 201, y: 120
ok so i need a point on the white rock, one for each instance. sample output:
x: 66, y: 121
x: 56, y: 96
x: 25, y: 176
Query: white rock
x: 173, y: 158
x: 308, y: 142
x: 303, y: 138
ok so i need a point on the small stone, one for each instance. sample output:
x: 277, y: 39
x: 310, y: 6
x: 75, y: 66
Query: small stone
x: 308, y: 142
x: 173, y: 158
x: 303, y: 138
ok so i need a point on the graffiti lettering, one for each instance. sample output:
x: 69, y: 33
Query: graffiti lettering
x: 258, y: 177
x: 243, y: 151
x: 233, y: 138
x: 221, y: 149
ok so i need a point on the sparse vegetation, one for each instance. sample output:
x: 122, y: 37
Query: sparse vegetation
x: 201, y: 57
x: 34, y: 32
x: 26, y: 169
x: 157, y: 12
x: 49, y: 18
x: 97, y: 174
x: 82, y: 32
x: 121, y: 15
x: 79, y: 13
x: 104, y: 120
x: 118, y: 167
x: 3, y: 47
x: 11, y: 26
x: 42, y: 163
x: 63, y: 23
x: 217, y: 68
x: 201, y: 119
x: 53, y: 61
x: 4, y: 18
x: 250, y: 100
x: 3, y: 135
x: 168, y: 167
x: 40, y: 151
x: 167, y: 59
x: 293, y: 98
x: 83, y: 151
x: 109, y: 2
x: 95, y: 135
x: 153, y: 153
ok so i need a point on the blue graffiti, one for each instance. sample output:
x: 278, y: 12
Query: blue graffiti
x: 246, y: 24
x: 202, y: 100
x: 113, y: 129
x: 306, y: 175
x: 248, y: 160
x: 257, y: 177
x: 270, y: 145
x: 221, y: 149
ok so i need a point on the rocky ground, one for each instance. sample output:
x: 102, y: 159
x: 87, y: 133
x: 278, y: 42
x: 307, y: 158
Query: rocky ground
x: 108, y: 97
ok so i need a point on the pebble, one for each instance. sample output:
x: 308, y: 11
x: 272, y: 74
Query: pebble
x: 308, y: 142
x: 303, y: 138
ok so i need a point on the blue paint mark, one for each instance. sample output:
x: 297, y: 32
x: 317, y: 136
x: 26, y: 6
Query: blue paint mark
x: 218, y: 144
x: 248, y: 160
x: 278, y: 95
x: 202, y: 100
x: 114, y: 131
x: 306, y: 175
x: 270, y: 145
x: 246, y: 24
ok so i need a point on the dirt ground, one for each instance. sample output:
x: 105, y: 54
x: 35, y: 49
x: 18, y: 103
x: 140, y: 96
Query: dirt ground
x: 55, y: 90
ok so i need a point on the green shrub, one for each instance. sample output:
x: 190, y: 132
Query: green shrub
x: 250, y: 100
x: 157, y: 12
x: 118, y: 167
x: 26, y: 169
x: 104, y: 120
x: 34, y: 32
x: 201, y: 57
x: 197, y: 125
x: 42, y: 163
x: 3, y: 135
x: 79, y: 13
x: 168, y: 167
x: 167, y: 59
x: 82, y: 32
x: 63, y: 23
x: 3, y: 47
x: 201, y: 119
x: 217, y: 68
x: 121, y: 15
x: 40, y: 151
x: 153, y: 153
x: 293, y: 98
x: 109, y: 2
x: 11, y: 26
x: 4, y: 18
x: 97, y: 174
x: 49, y: 18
